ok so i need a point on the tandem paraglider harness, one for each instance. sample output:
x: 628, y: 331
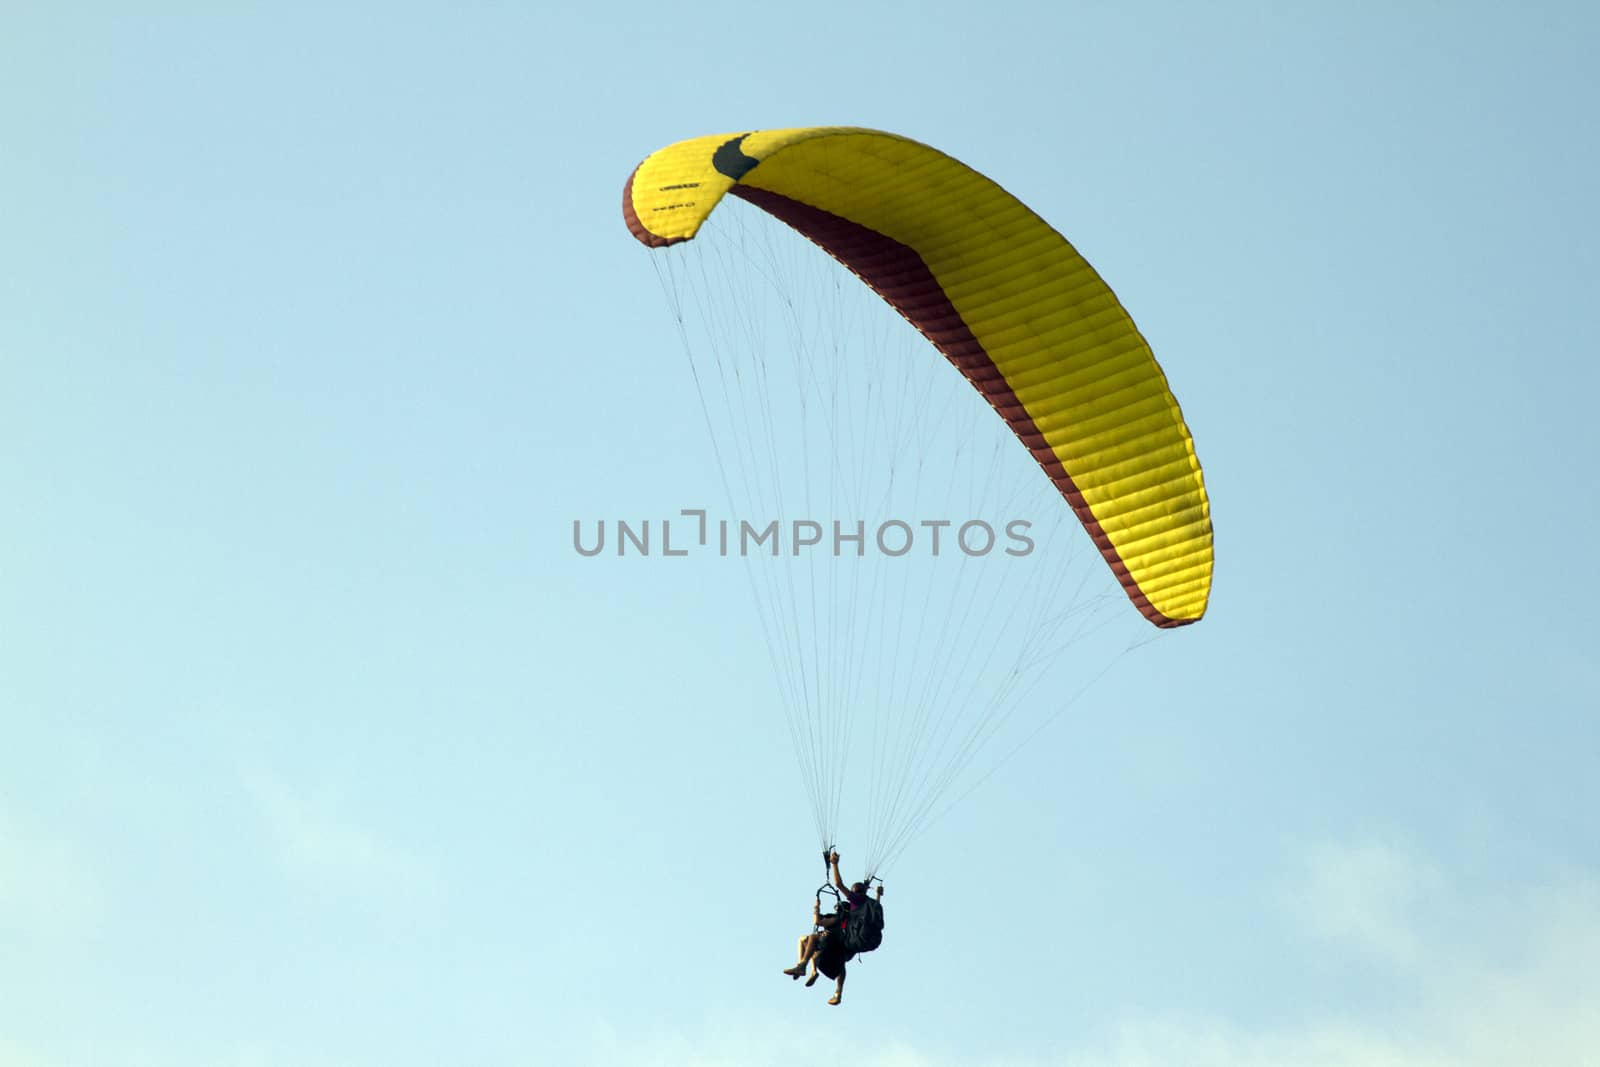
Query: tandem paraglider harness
x: 860, y: 927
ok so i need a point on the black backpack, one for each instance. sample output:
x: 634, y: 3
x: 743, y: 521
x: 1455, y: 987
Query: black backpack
x: 863, y: 930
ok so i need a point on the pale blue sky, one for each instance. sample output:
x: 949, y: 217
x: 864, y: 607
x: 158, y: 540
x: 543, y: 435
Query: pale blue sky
x: 319, y: 324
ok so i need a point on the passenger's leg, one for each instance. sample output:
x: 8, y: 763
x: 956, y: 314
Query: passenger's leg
x: 804, y: 949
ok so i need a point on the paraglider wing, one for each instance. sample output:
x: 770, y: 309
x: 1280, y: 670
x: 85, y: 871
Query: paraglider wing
x: 1005, y: 298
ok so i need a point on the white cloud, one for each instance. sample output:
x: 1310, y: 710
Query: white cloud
x: 1364, y: 895
x: 1149, y: 1043
x: 1508, y: 980
x: 1501, y: 979
x: 91, y: 1054
x: 1542, y: 1007
x: 15, y: 1055
x: 727, y: 1042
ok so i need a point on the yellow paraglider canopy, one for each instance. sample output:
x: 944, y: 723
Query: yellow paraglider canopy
x: 1007, y: 300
